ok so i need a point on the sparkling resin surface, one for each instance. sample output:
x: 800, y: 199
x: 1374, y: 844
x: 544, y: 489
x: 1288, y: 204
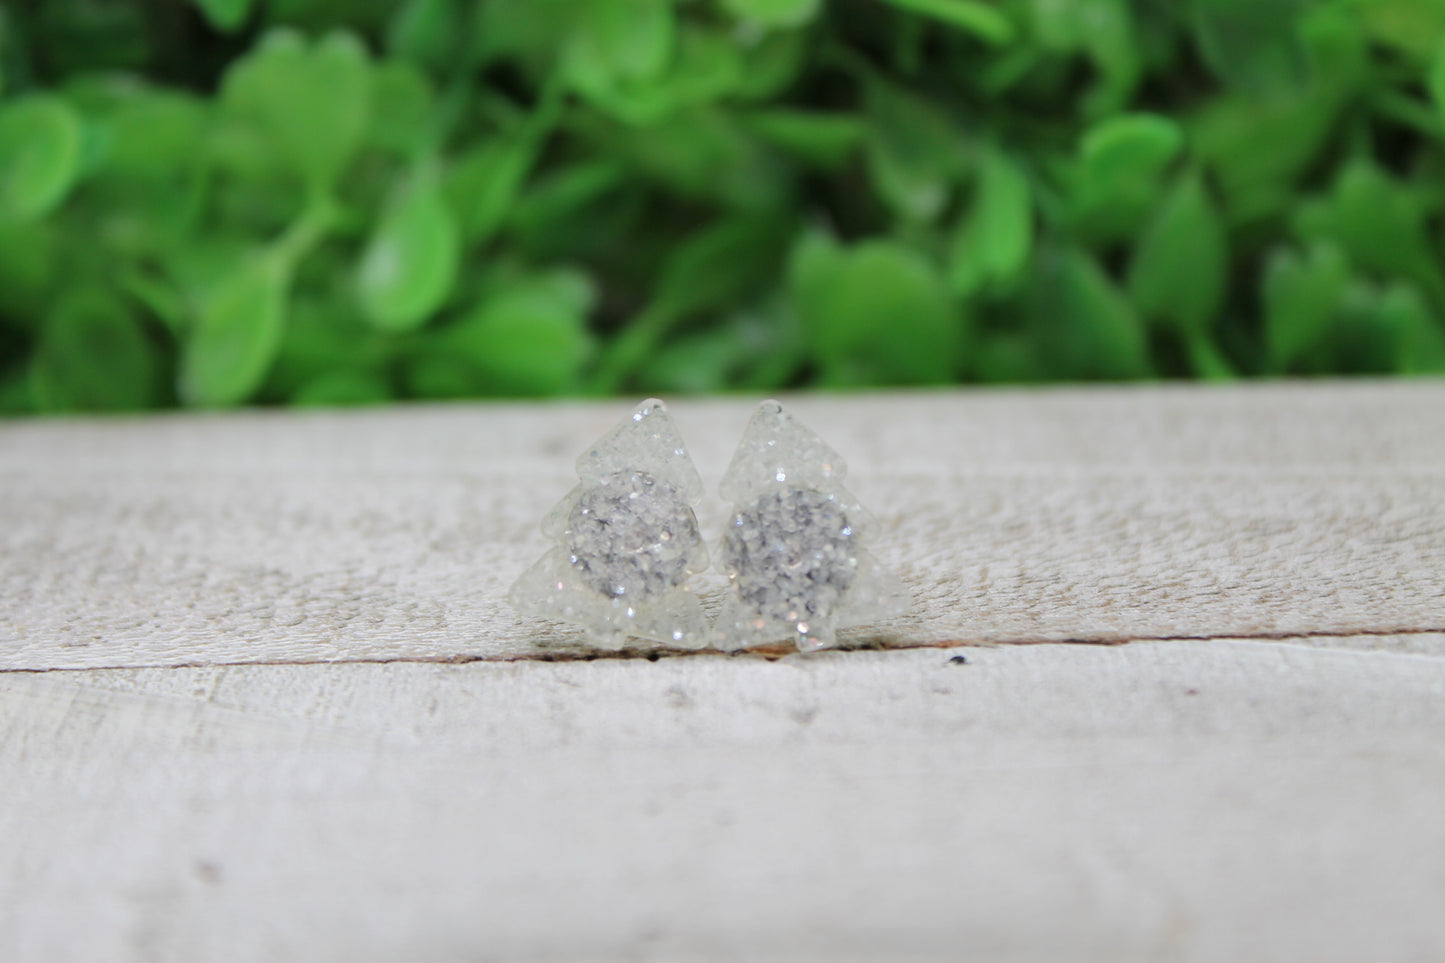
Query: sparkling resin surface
x: 795, y: 551
x: 627, y: 541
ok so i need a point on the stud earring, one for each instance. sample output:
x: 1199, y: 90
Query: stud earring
x: 627, y: 540
x: 795, y: 549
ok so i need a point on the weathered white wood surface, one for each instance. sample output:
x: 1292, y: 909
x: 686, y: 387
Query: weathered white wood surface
x: 1185, y: 800
x: 1264, y: 781
x: 1098, y: 515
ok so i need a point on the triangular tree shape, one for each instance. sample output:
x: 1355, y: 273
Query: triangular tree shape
x: 627, y: 540
x: 795, y: 551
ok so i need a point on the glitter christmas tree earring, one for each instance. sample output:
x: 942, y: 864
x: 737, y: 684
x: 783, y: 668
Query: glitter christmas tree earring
x: 795, y: 549
x: 627, y: 540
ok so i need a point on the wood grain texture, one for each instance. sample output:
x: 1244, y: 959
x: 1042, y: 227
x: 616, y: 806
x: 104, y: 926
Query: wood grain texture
x: 1097, y: 515
x: 1264, y: 786
x: 1228, y: 800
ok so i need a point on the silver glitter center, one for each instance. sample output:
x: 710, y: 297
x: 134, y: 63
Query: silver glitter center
x: 631, y: 536
x: 793, y: 554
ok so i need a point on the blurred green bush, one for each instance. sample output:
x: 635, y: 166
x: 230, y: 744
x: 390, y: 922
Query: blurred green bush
x: 322, y: 202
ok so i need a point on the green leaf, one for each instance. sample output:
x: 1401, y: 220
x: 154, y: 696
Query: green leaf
x: 991, y: 244
x: 426, y: 32
x: 1122, y: 149
x: 1180, y: 265
x: 914, y: 152
x: 29, y: 270
x: 723, y: 264
x: 1435, y: 79
x: 226, y: 15
x: 1379, y: 223
x: 876, y: 313
x: 618, y: 42
x: 154, y: 133
x: 1337, y: 50
x: 1008, y: 358
x: 706, y: 67
x: 5, y: 33
x: 199, y: 268
x: 1321, y: 320
x: 1364, y: 337
x: 483, y: 183
x: 528, y: 30
x: 1105, y: 32
x: 40, y: 155
x: 325, y: 336
x: 1258, y: 148
x: 693, y: 364
x: 1418, y: 333
x: 528, y: 338
x: 1083, y: 325
x: 768, y: 65
x: 758, y: 349
x: 1415, y: 26
x: 312, y: 102
x: 1207, y: 361
x: 579, y: 208
x: 816, y: 261
x: 1121, y: 161
x: 1301, y: 297
x: 411, y: 261
x: 708, y: 154
x: 93, y: 356
x: 402, y: 105
x: 824, y: 139
x: 234, y: 341
x: 1249, y: 43
x: 980, y: 19
x: 342, y: 388
x: 157, y: 296
x: 16, y: 396
x: 775, y: 13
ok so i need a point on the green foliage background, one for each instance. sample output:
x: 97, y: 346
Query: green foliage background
x: 325, y: 202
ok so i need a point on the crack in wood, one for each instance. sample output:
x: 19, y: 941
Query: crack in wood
x: 768, y: 652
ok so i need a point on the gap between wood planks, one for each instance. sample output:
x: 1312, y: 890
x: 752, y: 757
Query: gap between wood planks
x: 768, y: 652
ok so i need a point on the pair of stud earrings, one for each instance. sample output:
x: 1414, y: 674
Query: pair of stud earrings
x: 628, y: 543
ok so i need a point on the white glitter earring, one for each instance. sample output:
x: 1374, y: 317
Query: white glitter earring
x: 795, y: 550
x: 627, y: 540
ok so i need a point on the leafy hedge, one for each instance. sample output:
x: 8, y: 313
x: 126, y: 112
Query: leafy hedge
x: 317, y: 201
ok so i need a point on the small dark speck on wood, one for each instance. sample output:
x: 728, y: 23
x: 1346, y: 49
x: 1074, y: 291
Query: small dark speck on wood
x: 958, y: 660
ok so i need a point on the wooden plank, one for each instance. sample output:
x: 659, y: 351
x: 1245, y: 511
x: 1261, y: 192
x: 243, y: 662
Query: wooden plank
x: 1099, y: 515
x: 1221, y: 800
